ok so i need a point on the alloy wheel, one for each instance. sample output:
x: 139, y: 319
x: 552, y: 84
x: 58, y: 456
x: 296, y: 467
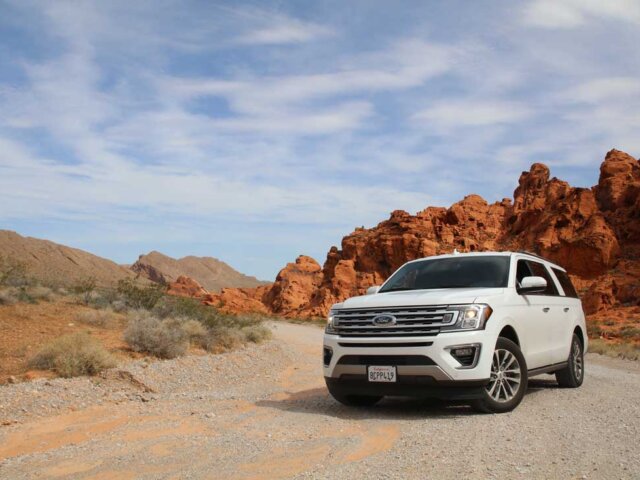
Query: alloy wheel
x: 576, y: 352
x: 506, y: 376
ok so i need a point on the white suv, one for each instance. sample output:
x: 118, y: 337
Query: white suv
x: 471, y: 327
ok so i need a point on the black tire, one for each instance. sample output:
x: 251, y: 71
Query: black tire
x: 510, y: 384
x: 354, y: 400
x: 573, y: 375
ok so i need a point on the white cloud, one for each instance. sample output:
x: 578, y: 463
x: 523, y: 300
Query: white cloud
x: 285, y: 32
x: 444, y: 116
x: 575, y: 13
x: 604, y: 90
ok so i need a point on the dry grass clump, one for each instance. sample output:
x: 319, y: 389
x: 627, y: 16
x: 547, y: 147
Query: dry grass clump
x: 170, y: 336
x: 256, y: 333
x: 222, y: 339
x: 9, y: 296
x: 620, y: 350
x: 162, y: 338
x: 98, y: 318
x: 73, y: 355
x: 39, y: 293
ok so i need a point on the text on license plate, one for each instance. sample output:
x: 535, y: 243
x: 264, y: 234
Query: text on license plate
x: 381, y: 374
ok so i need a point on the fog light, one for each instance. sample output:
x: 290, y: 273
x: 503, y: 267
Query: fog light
x: 327, y: 353
x: 466, y: 355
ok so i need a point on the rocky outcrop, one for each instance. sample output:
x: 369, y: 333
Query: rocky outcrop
x: 594, y: 233
x: 187, y: 287
x: 211, y: 273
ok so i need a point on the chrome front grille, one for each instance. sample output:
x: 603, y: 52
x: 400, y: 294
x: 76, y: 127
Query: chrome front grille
x: 409, y: 321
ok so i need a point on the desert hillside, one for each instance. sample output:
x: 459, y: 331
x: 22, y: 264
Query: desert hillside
x: 593, y: 232
x: 50, y: 262
x: 209, y: 272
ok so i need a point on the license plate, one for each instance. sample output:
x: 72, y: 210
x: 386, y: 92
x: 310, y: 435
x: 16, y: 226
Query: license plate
x: 381, y: 374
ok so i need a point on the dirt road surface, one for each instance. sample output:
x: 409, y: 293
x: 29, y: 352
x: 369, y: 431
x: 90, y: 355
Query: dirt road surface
x: 263, y: 412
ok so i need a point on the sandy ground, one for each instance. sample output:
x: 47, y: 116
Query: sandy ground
x: 263, y: 412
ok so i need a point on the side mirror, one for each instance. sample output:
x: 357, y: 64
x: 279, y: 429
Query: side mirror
x: 532, y: 285
x: 373, y: 290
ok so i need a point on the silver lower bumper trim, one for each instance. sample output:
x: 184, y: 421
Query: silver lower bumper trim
x: 417, y: 370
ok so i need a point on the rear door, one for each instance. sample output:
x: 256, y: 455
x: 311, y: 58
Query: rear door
x: 571, y: 311
x: 535, y: 322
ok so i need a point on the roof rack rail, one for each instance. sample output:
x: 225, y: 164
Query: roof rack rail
x: 534, y: 255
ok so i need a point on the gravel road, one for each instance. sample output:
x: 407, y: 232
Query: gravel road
x: 263, y: 412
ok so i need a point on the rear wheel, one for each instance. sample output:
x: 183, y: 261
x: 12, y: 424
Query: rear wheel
x: 508, y: 380
x: 572, y: 375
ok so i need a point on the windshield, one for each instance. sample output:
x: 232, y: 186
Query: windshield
x: 463, y: 272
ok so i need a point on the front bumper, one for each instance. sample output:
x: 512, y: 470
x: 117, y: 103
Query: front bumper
x: 424, y: 365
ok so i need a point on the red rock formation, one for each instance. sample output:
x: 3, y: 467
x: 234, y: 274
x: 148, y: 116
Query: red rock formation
x: 294, y: 286
x: 186, y: 287
x: 594, y: 233
x: 239, y: 300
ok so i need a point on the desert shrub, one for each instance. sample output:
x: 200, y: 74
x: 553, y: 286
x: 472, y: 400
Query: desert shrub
x: 39, y: 293
x: 138, y: 296
x: 222, y: 339
x: 119, y: 306
x: 196, y: 332
x: 256, y: 333
x: 621, y: 350
x: 73, y: 355
x: 84, y: 289
x: 629, y: 331
x: 98, y: 318
x: 594, y: 330
x: 162, y: 338
x: 12, y: 272
x: 9, y: 296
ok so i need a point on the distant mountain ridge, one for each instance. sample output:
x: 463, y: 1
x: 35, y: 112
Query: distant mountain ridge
x: 51, y: 262
x: 211, y: 273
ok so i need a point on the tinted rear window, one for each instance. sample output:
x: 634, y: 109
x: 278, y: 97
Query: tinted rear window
x: 528, y: 268
x: 565, y: 283
x: 463, y: 272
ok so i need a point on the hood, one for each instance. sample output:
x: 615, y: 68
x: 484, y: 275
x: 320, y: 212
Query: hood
x: 444, y: 296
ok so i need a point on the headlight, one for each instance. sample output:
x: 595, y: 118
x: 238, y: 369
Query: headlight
x: 469, y: 317
x: 331, y: 321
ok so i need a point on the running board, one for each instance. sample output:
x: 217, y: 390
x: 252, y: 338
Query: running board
x: 547, y: 369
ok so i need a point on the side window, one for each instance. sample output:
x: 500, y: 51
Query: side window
x: 565, y: 283
x: 522, y: 271
x: 539, y: 270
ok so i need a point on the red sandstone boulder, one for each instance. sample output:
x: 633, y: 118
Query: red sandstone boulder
x: 186, y: 287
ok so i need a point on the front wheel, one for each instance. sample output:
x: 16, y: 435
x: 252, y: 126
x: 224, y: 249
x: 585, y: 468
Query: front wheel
x: 508, y: 380
x: 572, y: 375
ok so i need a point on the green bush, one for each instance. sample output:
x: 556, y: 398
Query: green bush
x: 73, y: 355
x: 138, y: 296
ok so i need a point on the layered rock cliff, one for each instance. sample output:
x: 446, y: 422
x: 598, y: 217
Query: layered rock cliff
x: 594, y: 233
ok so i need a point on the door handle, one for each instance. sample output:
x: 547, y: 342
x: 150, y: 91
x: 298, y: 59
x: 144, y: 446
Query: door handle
x: 545, y: 309
x: 566, y: 309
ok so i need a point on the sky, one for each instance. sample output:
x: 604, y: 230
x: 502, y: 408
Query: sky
x: 257, y: 131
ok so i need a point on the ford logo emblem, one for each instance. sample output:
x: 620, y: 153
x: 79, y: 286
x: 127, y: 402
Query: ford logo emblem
x: 384, y: 320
